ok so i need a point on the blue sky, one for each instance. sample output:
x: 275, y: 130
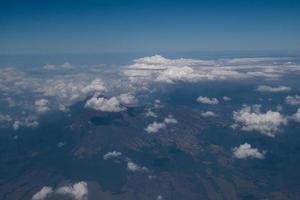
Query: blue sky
x: 42, y: 27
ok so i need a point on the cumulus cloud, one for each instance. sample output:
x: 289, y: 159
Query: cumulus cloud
x: 128, y: 99
x: 206, y: 100
x: 252, y: 119
x: 170, y: 120
x: 78, y: 191
x: 225, y: 98
x: 150, y: 113
x: 112, y: 154
x: 208, y: 114
x: 296, y: 116
x: 158, y: 68
x: 43, y: 193
x: 28, y: 122
x: 155, y: 127
x: 293, y: 100
x: 105, y: 105
x: 133, y: 167
x: 246, y: 151
x: 42, y: 105
x: 265, y: 88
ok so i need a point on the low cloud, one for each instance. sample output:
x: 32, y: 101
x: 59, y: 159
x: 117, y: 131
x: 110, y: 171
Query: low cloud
x: 245, y: 151
x: 78, y: 191
x: 208, y: 114
x: 265, y: 88
x: 155, y: 127
x: 296, y: 116
x: 112, y: 154
x: 250, y: 118
x: 207, y: 100
x: 42, y: 105
x: 225, y: 98
x: 293, y: 100
x: 43, y: 193
x: 133, y: 167
x: 105, y: 105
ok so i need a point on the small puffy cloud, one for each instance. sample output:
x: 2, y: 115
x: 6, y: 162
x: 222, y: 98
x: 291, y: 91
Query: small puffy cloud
x: 208, y: 114
x: 43, y: 193
x: 28, y: 122
x: 296, y: 116
x: 105, y: 105
x: 265, y: 88
x: 225, y: 98
x: 150, y: 113
x: 293, y: 100
x: 112, y: 154
x: 170, y: 120
x: 155, y: 127
x: 252, y: 119
x: 133, y: 167
x: 42, y: 105
x: 206, y: 100
x: 78, y: 191
x: 246, y: 151
x: 128, y: 99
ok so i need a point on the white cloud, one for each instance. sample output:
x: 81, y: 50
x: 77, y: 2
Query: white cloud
x: 170, y: 120
x: 42, y: 105
x: 43, y: 193
x: 225, y: 98
x: 246, y: 151
x: 265, y: 88
x: 65, y: 65
x: 158, y: 68
x: 296, y: 116
x: 128, y: 99
x: 159, y: 197
x: 155, y: 127
x: 150, y: 113
x: 105, y: 105
x: 206, y: 100
x: 133, y: 167
x: 28, y: 122
x: 208, y: 114
x: 252, y: 119
x: 112, y: 154
x: 293, y: 100
x: 78, y: 191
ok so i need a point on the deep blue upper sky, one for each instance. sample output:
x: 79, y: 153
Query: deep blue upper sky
x: 38, y: 27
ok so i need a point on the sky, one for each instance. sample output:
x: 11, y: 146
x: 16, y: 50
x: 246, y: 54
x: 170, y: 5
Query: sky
x: 54, y: 27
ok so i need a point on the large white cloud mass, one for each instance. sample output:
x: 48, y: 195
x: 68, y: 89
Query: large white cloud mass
x: 207, y: 100
x: 246, y: 151
x: 43, y: 193
x: 265, y: 88
x: 293, y: 100
x: 78, y: 191
x: 161, y: 69
x: 252, y: 119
